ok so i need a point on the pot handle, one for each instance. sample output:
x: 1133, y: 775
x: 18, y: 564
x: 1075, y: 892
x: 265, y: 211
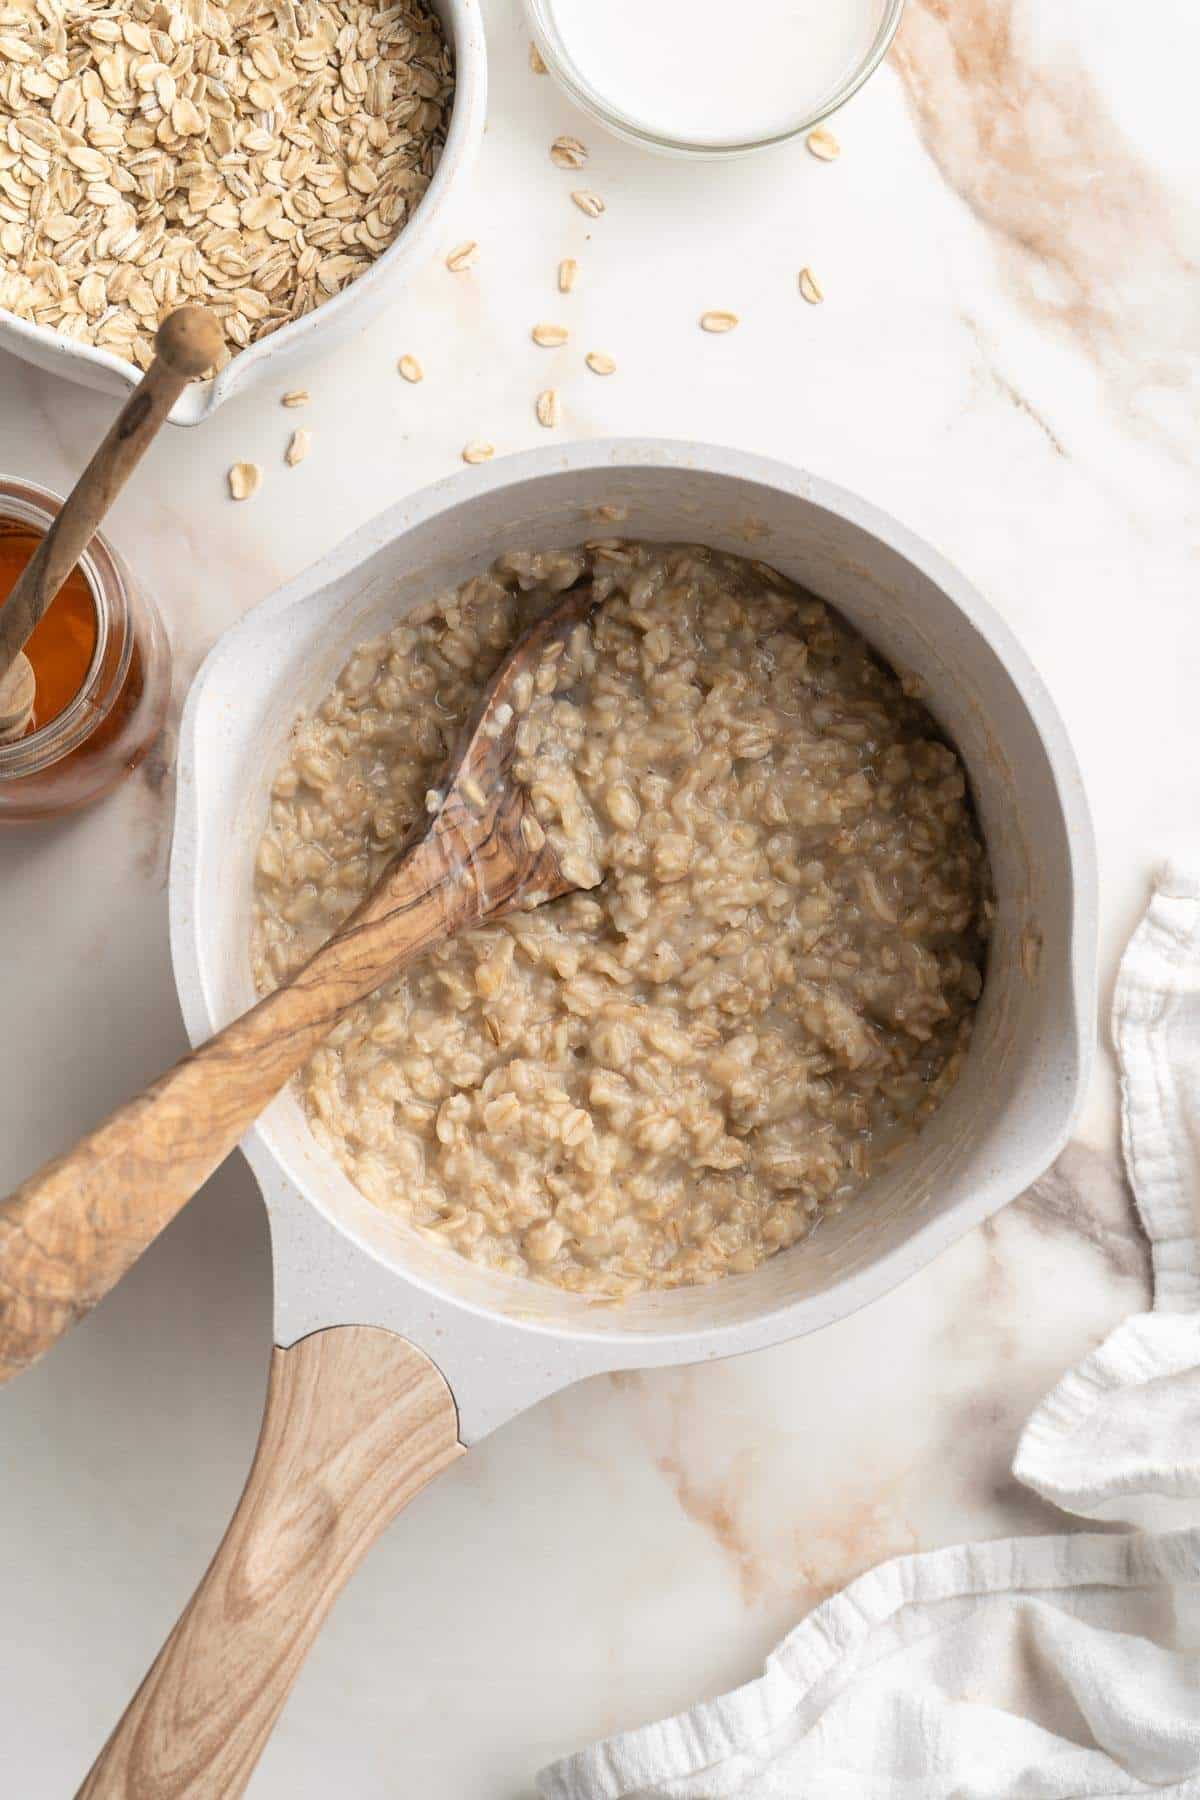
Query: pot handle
x: 356, y: 1422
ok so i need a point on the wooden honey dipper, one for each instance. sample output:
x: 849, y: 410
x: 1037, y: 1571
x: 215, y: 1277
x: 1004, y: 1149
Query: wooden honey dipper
x: 187, y: 345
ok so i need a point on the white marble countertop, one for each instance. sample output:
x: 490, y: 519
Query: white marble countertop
x: 1007, y: 360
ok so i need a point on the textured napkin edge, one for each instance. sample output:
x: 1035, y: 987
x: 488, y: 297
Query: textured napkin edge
x: 1145, y: 1349
x: 716, y: 1730
x: 1158, y: 987
x: 1157, y: 994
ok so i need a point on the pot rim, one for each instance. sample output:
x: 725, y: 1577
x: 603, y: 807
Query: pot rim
x: 1030, y: 1153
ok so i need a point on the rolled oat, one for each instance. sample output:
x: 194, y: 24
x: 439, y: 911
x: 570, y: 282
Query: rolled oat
x: 245, y: 479
x: 255, y: 158
x: 568, y: 153
x: 810, y: 288
x: 823, y: 145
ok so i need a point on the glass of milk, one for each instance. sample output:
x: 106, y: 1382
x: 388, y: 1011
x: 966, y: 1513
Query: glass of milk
x: 712, y: 77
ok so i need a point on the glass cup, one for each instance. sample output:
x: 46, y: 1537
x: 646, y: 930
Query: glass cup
x: 607, y: 109
x: 104, y: 732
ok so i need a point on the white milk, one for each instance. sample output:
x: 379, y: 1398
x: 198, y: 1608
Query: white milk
x: 721, y: 72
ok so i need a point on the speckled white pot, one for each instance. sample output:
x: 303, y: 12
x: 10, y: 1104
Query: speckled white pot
x: 500, y: 1342
x: 342, y: 315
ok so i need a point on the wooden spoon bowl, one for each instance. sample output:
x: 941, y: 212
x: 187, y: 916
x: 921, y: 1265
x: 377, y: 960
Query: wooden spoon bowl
x: 72, y: 1230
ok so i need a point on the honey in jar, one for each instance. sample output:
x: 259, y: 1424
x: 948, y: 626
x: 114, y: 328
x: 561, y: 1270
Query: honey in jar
x: 101, y: 666
x: 64, y: 639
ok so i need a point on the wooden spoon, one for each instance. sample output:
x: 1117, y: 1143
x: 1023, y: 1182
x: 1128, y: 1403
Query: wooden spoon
x: 72, y: 1230
x: 187, y: 345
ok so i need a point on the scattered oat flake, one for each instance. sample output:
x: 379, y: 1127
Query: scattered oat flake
x: 811, y: 288
x: 535, y: 60
x: 718, y: 321
x: 411, y: 369
x: 588, y: 202
x: 823, y: 145
x: 568, y: 274
x: 550, y: 337
x: 568, y: 153
x: 478, y: 451
x: 299, y: 448
x: 463, y: 257
x: 296, y: 397
x: 245, y: 478
x: 600, y: 363
x: 549, y: 409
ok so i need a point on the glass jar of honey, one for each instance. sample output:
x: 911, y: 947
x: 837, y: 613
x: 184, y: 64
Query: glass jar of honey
x: 102, y: 666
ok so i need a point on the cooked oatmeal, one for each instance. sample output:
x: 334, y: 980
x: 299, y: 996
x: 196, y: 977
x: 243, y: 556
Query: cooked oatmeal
x: 771, y: 974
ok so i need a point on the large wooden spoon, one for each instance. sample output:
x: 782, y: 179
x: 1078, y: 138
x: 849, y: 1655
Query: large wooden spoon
x: 72, y: 1230
x: 186, y: 346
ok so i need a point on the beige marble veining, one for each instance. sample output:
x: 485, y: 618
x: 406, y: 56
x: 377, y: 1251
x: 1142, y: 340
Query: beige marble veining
x: 1091, y: 242
x: 989, y: 1346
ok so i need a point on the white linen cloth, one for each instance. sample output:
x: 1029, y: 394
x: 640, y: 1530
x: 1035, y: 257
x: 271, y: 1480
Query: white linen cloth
x: 1052, y: 1668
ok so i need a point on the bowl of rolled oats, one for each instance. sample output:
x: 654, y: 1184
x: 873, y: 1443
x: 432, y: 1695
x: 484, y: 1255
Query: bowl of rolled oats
x: 823, y: 1000
x: 283, y: 163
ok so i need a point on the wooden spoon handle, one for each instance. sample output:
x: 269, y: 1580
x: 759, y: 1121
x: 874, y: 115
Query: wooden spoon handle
x: 187, y: 345
x: 357, y: 1421
x: 70, y: 1232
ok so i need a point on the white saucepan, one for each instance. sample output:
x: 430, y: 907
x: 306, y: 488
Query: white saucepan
x: 392, y: 1355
